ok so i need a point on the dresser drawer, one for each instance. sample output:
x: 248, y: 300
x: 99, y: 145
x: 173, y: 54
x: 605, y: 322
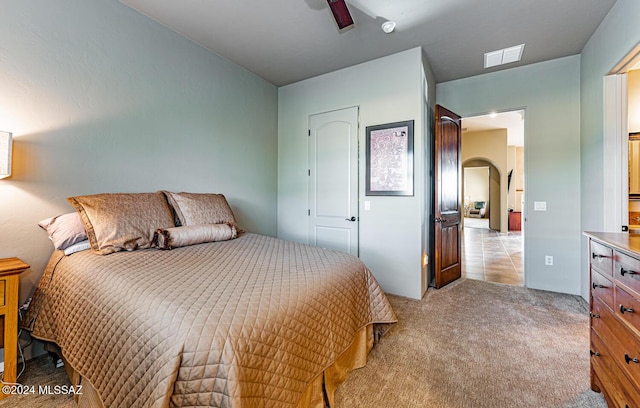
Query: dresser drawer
x: 601, y: 257
x: 621, y: 342
x: 601, y: 317
x: 627, y: 308
x: 618, y: 390
x: 627, y: 271
x: 602, y: 288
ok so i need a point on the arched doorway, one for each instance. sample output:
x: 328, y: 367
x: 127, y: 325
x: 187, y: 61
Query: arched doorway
x: 472, y: 172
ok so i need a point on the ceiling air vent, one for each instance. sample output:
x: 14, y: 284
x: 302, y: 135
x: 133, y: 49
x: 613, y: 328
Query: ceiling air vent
x: 504, y: 56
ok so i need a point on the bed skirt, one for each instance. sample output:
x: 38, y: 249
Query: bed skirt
x: 319, y: 394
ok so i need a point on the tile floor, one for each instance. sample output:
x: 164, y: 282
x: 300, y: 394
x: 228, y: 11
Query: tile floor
x: 491, y: 256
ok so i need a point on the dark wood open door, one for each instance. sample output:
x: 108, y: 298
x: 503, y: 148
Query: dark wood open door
x: 447, y: 197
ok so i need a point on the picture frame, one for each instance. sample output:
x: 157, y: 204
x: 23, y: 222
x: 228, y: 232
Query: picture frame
x: 389, y: 159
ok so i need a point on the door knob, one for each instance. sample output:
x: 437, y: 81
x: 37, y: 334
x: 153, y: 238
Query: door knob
x: 352, y: 219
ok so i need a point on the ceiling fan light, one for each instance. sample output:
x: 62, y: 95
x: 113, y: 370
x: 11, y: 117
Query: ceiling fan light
x: 388, y: 26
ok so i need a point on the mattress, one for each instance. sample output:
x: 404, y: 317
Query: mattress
x: 247, y: 322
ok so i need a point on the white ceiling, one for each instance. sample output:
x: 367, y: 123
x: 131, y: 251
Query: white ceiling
x: 513, y: 121
x: 285, y: 41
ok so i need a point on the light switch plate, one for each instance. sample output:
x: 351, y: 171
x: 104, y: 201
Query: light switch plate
x: 367, y: 205
x: 539, y: 206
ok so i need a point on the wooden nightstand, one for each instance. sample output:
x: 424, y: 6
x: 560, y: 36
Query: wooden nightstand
x: 10, y: 270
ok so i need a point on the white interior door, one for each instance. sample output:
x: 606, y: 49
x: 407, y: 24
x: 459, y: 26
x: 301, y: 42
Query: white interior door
x: 333, y: 180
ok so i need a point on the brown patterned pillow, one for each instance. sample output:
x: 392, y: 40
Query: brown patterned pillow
x: 197, y: 209
x: 122, y: 221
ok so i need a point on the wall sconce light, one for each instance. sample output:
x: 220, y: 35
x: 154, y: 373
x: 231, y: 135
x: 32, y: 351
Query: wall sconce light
x: 5, y: 154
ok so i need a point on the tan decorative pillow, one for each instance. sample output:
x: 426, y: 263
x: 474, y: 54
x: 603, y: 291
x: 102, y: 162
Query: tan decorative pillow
x: 195, y: 234
x: 197, y: 209
x: 122, y: 221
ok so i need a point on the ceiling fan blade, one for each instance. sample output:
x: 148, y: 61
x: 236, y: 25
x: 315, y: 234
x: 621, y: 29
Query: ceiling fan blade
x: 340, y: 13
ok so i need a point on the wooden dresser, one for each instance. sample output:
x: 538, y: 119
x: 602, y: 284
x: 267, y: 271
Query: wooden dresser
x: 10, y: 269
x: 615, y: 317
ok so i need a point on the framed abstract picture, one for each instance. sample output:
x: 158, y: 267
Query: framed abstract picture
x: 390, y: 159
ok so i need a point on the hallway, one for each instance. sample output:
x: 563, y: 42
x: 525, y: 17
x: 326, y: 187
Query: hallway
x: 492, y: 256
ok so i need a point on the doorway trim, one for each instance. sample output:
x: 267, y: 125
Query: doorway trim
x: 615, y: 154
x: 504, y: 201
x: 615, y: 144
x: 525, y: 241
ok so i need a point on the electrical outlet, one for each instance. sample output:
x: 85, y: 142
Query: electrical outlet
x: 548, y: 260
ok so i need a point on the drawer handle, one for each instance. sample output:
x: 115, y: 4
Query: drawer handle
x: 594, y: 316
x: 594, y: 256
x: 594, y: 353
x: 630, y: 360
x: 597, y: 286
x: 624, y: 310
x: 623, y: 272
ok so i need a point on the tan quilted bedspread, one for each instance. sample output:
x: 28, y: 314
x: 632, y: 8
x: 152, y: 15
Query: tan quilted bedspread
x: 242, y: 323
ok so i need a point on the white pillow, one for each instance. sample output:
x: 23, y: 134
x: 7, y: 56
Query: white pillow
x: 80, y: 246
x: 64, y: 230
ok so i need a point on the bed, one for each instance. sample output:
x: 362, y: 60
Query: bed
x: 253, y: 321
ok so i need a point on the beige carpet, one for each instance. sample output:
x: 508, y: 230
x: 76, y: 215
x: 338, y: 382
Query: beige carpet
x: 470, y: 344
x: 479, y: 344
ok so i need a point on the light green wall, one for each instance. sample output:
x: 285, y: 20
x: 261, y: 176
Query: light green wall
x: 616, y: 36
x: 102, y: 99
x: 386, y: 90
x: 550, y: 94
